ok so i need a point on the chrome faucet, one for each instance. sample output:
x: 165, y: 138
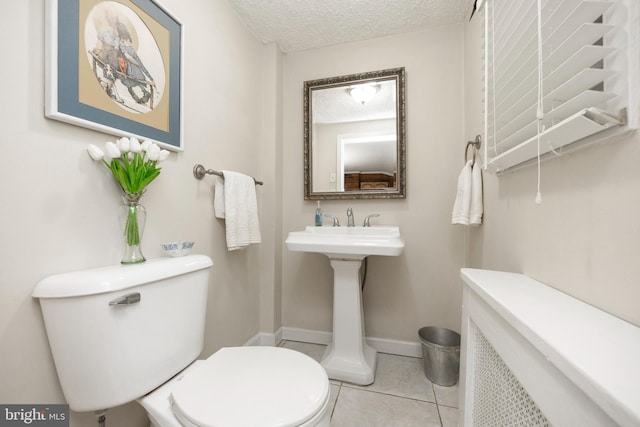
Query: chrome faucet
x: 336, y: 222
x: 350, y: 221
x: 366, y: 220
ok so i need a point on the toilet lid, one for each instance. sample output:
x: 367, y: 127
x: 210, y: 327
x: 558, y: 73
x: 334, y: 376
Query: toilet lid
x: 251, y: 386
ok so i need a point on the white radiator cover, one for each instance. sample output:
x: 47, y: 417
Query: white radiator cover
x: 534, y: 356
x: 498, y: 396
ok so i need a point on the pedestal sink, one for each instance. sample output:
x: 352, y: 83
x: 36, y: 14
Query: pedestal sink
x: 348, y: 358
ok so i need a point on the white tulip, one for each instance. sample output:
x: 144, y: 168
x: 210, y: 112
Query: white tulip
x: 153, y: 152
x: 163, y: 155
x: 111, y: 150
x: 95, y: 152
x: 134, y: 145
x: 146, y: 144
x: 123, y: 144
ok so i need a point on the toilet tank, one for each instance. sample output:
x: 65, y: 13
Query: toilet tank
x: 118, y: 332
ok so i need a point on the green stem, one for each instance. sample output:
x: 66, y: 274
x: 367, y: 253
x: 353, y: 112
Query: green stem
x: 131, y: 228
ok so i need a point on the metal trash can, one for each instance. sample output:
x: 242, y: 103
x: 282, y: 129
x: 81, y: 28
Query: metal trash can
x: 441, y: 355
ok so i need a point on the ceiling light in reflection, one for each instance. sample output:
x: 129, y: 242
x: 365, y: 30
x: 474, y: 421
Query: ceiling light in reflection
x: 364, y: 92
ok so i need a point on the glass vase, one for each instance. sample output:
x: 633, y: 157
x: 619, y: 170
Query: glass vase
x: 132, y: 216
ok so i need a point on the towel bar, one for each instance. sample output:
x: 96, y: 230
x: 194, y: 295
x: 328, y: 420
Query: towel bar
x: 476, y: 145
x: 199, y: 172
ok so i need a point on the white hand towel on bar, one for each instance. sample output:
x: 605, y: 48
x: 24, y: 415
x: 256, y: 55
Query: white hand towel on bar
x: 462, y: 205
x: 476, y: 210
x: 218, y: 197
x: 240, y: 210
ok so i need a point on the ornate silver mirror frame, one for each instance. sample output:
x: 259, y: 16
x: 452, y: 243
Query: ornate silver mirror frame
x: 355, y: 148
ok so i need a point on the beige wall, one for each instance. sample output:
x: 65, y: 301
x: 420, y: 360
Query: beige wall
x: 59, y: 207
x: 420, y: 287
x: 584, y: 238
x: 271, y: 207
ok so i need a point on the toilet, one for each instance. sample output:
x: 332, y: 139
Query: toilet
x: 243, y: 386
x: 133, y: 332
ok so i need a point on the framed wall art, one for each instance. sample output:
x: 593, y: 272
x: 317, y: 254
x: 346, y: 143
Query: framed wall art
x: 116, y: 67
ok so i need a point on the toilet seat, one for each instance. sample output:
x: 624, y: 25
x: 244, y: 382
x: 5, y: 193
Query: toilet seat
x: 251, y: 386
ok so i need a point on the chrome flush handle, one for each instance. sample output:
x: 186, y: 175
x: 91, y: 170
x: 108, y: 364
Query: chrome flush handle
x: 128, y: 299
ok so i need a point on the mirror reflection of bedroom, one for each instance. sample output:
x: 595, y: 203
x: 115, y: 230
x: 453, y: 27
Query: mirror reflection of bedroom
x: 354, y: 135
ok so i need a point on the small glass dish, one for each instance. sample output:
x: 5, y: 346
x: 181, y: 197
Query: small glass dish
x: 176, y: 249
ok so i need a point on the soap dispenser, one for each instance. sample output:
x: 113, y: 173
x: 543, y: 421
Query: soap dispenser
x: 318, y: 215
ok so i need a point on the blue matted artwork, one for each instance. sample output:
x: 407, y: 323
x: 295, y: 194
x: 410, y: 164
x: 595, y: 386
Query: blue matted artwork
x: 116, y: 67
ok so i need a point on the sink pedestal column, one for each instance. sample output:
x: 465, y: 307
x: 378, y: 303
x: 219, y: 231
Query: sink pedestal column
x: 348, y: 358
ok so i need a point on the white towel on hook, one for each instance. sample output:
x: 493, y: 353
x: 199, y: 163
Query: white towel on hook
x: 468, y: 207
x: 240, y: 210
x: 462, y: 205
x: 476, y: 209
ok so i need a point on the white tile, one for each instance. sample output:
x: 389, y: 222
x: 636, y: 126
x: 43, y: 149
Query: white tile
x: 400, y: 396
x: 449, y: 416
x: 356, y: 407
x: 335, y: 391
x: 314, y: 351
x: 447, y: 396
x: 400, y: 376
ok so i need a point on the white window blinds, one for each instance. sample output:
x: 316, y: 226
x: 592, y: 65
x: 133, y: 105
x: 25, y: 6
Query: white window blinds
x: 584, y: 81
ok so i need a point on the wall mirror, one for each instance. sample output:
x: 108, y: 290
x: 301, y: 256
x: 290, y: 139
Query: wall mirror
x: 354, y: 136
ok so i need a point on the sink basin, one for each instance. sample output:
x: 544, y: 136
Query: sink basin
x: 347, y: 241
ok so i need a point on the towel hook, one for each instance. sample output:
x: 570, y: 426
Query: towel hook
x: 476, y: 145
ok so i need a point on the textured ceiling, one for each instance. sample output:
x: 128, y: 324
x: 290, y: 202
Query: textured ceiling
x: 308, y: 24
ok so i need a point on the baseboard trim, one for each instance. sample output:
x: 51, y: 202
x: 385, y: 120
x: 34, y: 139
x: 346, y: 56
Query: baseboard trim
x: 262, y: 339
x: 265, y: 339
x: 306, y: 335
x: 278, y: 336
x: 382, y: 345
x: 400, y: 348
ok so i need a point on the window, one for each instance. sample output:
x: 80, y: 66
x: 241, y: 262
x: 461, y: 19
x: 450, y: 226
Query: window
x: 587, y: 86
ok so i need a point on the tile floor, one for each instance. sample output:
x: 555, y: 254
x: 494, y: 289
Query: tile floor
x: 400, y: 396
